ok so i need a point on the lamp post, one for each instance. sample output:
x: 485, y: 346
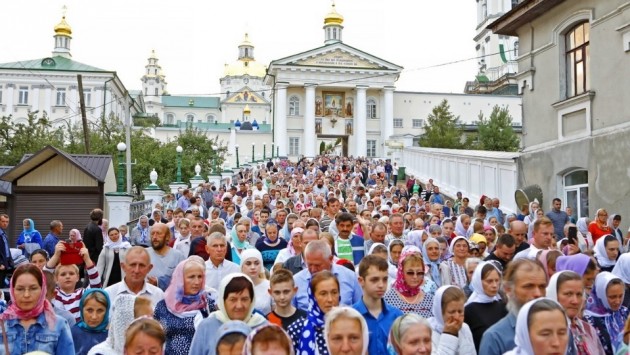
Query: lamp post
x: 214, y: 159
x: 121, y: 168
x: 253, y: 154
x: 272, y: 150
x: 179, y: 151
x: 238, y: 165
x: 278, y: 152
x: 264, y: 151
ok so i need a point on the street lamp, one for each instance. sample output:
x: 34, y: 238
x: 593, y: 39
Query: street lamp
x: 238, y: 165
x: 214, y: 159
x: 253, y: 155
x: 121, y: 167
x: 272, y: 150
x: 278, y: 152
x: 264, y: 151
x: 179, y: 151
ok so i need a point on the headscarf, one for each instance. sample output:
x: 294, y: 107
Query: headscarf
x: 437, y: 321
x: 236, y: 242
x: 144, y: 238
x: 31, y: 226
x: 521, y: 338
x: 452, y: 246
x: 314, y: 319
x: 597, y: 306
x: 120, y: 244
x: 478, y: 238
x: 249, y: 343
x: 252, y: 319
x: 614, y: 230
x: 122, y: 317
x: 415, y: 237
x: 374, y: 246
x: 543, y: 260
x: 622, y: 268
x: 102, y: 327
x: 600, y: 253
x: 433, y: 265
x: 476, y: 284
x: 389, y: 251
x: 231, y: 327
x: 178, y: 303
x: 582, y: 225
x: 552, y: 288
x: 577, y: 263
x: 253, y: 254
x: 290, y: 246
x: 400, y: 284
x: 42, y: 306
x: 459, y: 226
x: 351, y: 313
x: 78, y: 234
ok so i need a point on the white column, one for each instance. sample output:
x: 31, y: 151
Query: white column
x: 224, y: 114
x: 388, y: 127
x: 310, y: 138
x: 48, y: 103
x: 74, y: 104
x: 360, y: 129
x: 280, y: 129
x: 35, y: 105
x: 10, y: 99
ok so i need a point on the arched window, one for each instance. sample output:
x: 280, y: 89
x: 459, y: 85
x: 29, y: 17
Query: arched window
x: 210, y: 118
x: 371, y: 108
x: 170, y: 118
x: 190, y: 117
x: 294, y: 106
x: 577, y: 59
x: 575, y: 186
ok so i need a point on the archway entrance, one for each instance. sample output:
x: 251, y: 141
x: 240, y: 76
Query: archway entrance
x: 336, y: 143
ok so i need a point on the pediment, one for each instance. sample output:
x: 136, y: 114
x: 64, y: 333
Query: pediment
x: 246, y: 95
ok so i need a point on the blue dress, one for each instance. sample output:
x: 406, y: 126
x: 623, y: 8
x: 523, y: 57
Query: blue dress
x: 179, y: 331
x: 84, y: 340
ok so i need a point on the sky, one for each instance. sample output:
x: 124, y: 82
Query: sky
x: 193, y: 39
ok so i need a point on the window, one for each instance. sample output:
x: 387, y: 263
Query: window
x: 210, y: 118
x: 190, y: 117
x: 398, y: 123
x: 156, y: 92
x: 371, y: 108
x: 294, y: 145
x: 170, y: 118
x: 87, y: 97
x: 23, y: 95
x: 576, y: 192
x: 417, y: 123
x: 515, y: 49
x: 61, y: 97
x: 577, y: 59
x: 371, y: 148
x: 294, y: 106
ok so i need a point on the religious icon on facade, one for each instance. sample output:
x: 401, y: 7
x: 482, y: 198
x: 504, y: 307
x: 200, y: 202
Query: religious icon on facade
x: 318, y: 106
x: 318, y: 126
x: 334, y: 104
x: 349, y: 107
x: 349, y: 127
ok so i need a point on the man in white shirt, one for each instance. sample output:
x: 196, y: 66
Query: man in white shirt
x: 216, y: 265
x: 258, y: 191
x: 136, y: 267
x: 542, y: 239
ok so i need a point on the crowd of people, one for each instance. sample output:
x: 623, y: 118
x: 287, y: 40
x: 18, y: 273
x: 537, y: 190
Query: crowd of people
x: 325, y: 256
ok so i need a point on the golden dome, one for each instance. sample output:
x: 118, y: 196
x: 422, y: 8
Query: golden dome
x: 62, y: 28
x: 240, y: 68
x: 333, y: 17
x: 247, y: 109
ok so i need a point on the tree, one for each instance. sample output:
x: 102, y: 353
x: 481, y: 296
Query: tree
x: 496, y: 133
x: 24, y: 138
x: 442, y: 129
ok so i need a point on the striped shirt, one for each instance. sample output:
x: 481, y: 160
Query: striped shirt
x: 70, y: 302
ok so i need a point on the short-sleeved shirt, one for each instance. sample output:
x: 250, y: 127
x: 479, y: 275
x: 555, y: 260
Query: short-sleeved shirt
x: 344, y: 249
x: 285, y: 322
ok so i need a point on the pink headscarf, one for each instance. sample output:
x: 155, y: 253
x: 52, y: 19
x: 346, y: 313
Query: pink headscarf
x: 14, y: 312
x: 543, y: 259
x: 176, y: 301
x: 400, y: 285
x: 294, y: 231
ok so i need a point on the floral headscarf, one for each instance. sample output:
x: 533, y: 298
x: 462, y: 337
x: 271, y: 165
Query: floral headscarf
x: 178, y: 303
x: 308, y: 342
x: 42, y: 306
x: 400, y: 285
x: 597, y: 306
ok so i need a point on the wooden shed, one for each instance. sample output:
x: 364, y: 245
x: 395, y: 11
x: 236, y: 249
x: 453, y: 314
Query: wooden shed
x: 52, y: 184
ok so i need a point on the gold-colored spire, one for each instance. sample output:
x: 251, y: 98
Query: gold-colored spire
x: 333, y: 17
x: 247, y: 110
x: 63, y: 28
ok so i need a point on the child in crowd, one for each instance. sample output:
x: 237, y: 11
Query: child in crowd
x: 282, y: 289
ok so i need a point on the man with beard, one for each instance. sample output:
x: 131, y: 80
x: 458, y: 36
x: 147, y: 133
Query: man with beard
x: 163, y: 257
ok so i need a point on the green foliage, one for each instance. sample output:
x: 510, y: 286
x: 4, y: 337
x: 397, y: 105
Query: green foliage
x: 442, y: 129
x: 497, y: 133
x: 146, y: 121
x: 322, y: 147
x: 19, y: 139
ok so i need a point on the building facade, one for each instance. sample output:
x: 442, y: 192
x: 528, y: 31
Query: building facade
x: 574, y: 69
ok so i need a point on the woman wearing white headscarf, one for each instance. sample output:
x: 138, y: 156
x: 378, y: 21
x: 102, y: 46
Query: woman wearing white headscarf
x: 450, y: 335
x: 453, y: 270
x: 622, y: 271
x: 484, y: 306
x: 346, y: 322
x: 606, y: 252
x: 538, y: 315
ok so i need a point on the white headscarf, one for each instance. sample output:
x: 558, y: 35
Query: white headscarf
x: 476, y: 284
x: 374, y: 245
x: 348, y: 312
x: 552, y: 288
x: 622, y: 268
x: 600, y: 253
x: 437, y: 321
x: 253, y: 319
x: 457, y: 239
x: 521, y: 338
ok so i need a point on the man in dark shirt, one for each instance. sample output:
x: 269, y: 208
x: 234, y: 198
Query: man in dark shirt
x: 503, y: 251
x: 93, y: 234
x: 6, y: 261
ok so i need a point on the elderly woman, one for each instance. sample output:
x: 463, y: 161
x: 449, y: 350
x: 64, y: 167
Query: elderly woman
x: 407, y: 293
x: 346, y: 332
x: 308, y: 334
x: 92, y: 328
x: 453, y: 271
x: 431, y: 256
x: 30, y: 238
x: 293, y: 248
x: 236, y: 302
x: 185, y: 304
x: 410, y: 335
x: 31, y: 316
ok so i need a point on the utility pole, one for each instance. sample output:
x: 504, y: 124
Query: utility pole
x: 86, y: 133
x: 128, y: 123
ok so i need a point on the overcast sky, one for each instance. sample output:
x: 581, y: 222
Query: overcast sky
x: 194, y: 39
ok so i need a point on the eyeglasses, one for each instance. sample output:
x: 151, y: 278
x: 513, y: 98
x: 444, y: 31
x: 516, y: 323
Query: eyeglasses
x: 22, y: 290
x: 414, y: 273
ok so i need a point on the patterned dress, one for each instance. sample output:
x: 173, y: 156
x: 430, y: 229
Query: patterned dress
x: 423, y: 308
x: 179, y: 331
x: 453, y: 274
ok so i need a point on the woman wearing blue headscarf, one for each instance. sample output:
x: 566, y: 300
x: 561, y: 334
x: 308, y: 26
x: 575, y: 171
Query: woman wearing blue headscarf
x: 29, y: 235
x: 92, y: 328
x: 431, y: 256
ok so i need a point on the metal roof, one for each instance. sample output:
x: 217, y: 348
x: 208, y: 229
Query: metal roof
x: 191, y: 101
x: 5, y: 186
x: 51, y: 63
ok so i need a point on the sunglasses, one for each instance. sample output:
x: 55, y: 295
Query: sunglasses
x: 413, y: 273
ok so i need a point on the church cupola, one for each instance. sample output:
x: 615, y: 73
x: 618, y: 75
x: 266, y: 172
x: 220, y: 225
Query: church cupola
x: 63, y: 35
x: 153, y: 80
x: 246, y: 50
x: 333, y: 26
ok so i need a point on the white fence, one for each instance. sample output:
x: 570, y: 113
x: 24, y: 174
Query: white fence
x: 473, y: 172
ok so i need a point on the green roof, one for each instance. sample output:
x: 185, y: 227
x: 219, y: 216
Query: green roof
x: 191, y: 101
x: 51, y: 63
x: 482, y: 78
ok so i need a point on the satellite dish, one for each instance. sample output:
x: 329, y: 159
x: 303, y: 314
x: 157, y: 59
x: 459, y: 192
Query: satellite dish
x: 528, y: 194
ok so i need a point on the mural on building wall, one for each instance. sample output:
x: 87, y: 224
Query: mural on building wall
x: 349, y: 127
x: 318, y: 126
x: 349, y: 107
x: 334, y: 103
x: 319, y: 107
